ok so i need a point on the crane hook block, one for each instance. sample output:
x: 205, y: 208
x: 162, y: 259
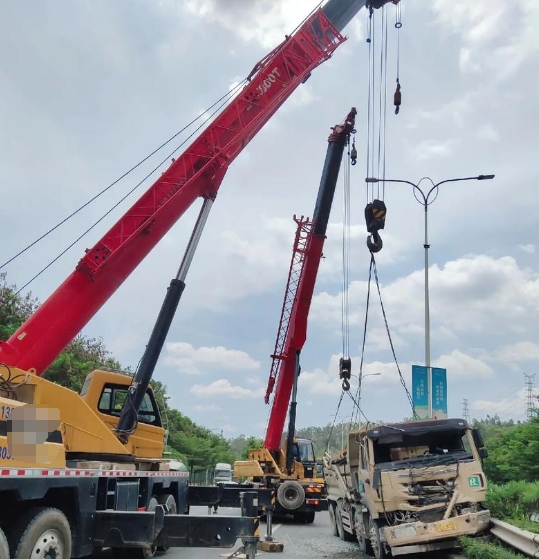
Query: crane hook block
x: 397, y: 98
x: 375, y: 218
x: 375, y: 215
x: 353, y: 154
x: 345, y: 371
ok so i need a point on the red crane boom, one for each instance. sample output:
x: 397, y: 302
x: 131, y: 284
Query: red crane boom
x: 306, y: 256
x: 198, y: 172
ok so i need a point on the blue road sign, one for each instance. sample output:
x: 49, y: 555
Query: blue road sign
x: 439, y: 393
x: 419, y: 391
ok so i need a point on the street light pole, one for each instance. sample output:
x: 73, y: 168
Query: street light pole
x: 424, y: 201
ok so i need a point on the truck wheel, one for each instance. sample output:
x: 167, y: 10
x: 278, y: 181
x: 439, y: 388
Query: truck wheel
x: 378, y: 549
x: 41, y: 533
x: 291, y: 495
x: 4, y: 547
x: 332, y: 519
x: 343, y: 534
x: 169, y: 502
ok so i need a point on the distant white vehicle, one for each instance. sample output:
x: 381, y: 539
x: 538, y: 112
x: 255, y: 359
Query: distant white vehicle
x: 222, y: 473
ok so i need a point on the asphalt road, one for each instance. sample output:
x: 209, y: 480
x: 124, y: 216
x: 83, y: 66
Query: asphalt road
x: 313, y: 541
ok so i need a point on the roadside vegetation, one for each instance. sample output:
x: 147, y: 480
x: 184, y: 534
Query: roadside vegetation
x: 188, y: 442
x: 482, y: 549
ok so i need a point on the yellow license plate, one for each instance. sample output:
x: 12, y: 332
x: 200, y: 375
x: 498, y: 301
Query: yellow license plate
x: 446, y: 526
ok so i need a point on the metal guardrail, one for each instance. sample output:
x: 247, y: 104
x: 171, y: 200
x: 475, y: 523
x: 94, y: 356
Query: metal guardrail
x: 525, y: 541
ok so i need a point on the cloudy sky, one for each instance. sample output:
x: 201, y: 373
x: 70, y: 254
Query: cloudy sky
x: 88, y: 89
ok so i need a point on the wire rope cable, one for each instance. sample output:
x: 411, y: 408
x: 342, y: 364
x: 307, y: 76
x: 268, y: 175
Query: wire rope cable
x: 121, y: 177
x: 167, y: 158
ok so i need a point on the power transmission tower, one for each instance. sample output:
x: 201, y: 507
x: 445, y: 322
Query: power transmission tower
x: 530, y: 396
x: 465, y: 411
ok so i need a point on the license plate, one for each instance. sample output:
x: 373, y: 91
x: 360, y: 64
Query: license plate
x: 446, y: 526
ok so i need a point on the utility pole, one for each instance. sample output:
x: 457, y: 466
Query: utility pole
x: 530, y: 396
x: 465, y: 411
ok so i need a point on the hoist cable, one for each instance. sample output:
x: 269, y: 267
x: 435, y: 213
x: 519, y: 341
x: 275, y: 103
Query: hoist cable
x: 360, y: 376
x: 116, y: 181
x: 380, y: 99
x: 403, y: 382
x: 373, y: 105
x: 334, y: 420
x: 398, y: 25
x: 385, y: 107
x: 360, y: 411
x: 345, y: 314
x: 368, y: 150
x: 167, y: 158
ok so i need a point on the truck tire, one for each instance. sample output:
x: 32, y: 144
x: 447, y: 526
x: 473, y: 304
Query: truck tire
x: 378, y: 549
x: 291, y: 495
x: 4, y: 546
x: 169, y: 502
x: 332, y: 519
x: 39, y: 533
x: 343, y: 534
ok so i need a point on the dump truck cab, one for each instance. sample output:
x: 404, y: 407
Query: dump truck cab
x: 409, y: 487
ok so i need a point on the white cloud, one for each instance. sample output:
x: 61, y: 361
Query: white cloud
x: 517, y: 353
x: 194, y: 361
x: 489, y: 133
x: 266, y: 21
x: 468, y: 296
x: 495, y: 37
x: 461, y: 365
x: 206, y: 407
x: 433, y: 148
x: 222, y: 387
x: 509, y: 407
x: 529, y: 248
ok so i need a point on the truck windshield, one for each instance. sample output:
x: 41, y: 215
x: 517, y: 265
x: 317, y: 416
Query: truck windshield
x: 306, y: 452
x: 448, y: 444
x: 223, y: 473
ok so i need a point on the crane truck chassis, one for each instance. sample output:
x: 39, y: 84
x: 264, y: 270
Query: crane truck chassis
x: 408, y: 487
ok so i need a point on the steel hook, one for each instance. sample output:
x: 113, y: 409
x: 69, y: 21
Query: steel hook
x: 346, y: 385
x: 374, y: 242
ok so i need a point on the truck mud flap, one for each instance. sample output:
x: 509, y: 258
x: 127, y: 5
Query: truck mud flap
x: 138, y: 529
x: 225, y: 496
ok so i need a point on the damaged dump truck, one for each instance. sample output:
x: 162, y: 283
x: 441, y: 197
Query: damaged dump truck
x: 408, y: 487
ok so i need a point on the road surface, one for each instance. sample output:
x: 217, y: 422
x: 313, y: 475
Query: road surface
x: 313, y: 541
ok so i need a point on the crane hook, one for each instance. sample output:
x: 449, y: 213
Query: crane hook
x: 353, y: 154
x: 345, y: 371
x: 374, y: 242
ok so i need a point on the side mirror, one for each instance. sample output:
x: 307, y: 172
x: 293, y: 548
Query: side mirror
x: 477, y: 438
x: 483, y: 453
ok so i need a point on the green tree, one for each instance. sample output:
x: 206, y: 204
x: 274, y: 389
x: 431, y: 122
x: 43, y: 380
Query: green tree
x: 14, y: 308
x: 82, y: 356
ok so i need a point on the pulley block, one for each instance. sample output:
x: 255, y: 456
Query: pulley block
x: 345, y: 372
